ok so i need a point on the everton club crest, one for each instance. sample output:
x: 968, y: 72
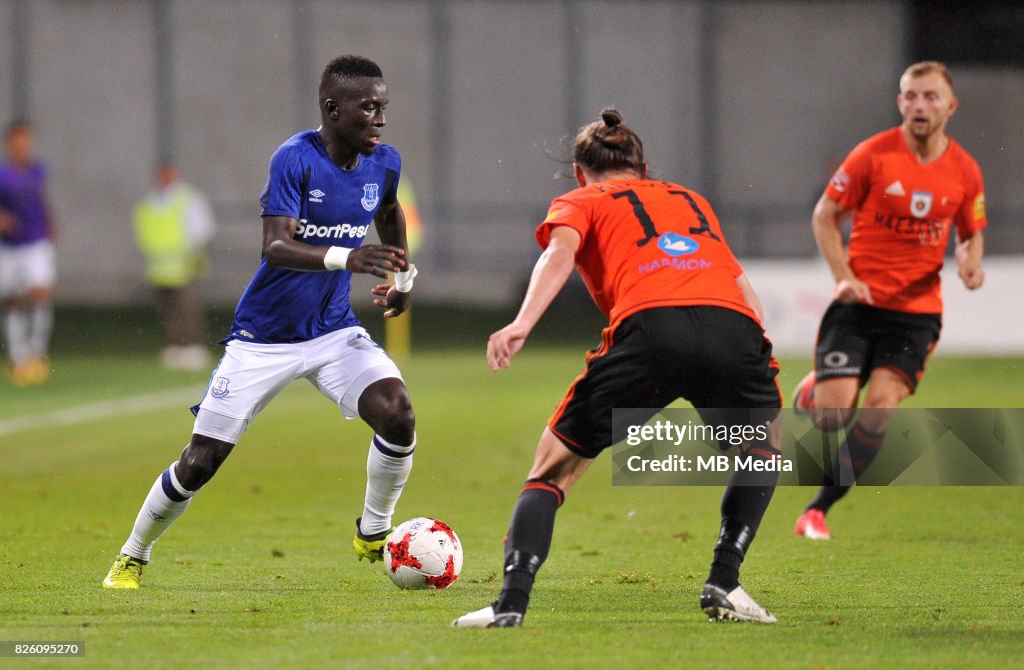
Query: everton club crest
x: 219, y: 388
x: 371, y: 196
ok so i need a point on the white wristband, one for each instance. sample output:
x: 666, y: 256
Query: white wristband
x: 336, y: 258
x: 403, y: 280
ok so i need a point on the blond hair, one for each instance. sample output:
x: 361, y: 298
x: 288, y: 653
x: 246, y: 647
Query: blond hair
x: 927, y: 67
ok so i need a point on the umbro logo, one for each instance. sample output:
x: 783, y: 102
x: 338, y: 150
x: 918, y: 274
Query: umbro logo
x: 895, y: 188
x: 316, y: 195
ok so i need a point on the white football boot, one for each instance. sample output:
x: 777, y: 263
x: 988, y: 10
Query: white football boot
x: 488, y: 618
x: 735, y: 605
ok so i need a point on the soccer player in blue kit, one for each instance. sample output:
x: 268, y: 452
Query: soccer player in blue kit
x: 325, y: 188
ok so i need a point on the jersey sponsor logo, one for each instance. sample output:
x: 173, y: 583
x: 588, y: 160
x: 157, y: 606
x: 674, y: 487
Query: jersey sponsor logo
x: 675, y: 244
x: 371, y: 196
x: 920, y: 203
x: 306, y: 229
x: 219, y: 389
x: 675, y: 264
x: 840, y: 180
x: 933, y: 233
x: 316, y: 195
x: 895, y: 188
x: 929, y: 232
x: 979, y: 207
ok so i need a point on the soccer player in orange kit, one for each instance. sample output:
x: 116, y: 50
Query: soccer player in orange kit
x: 683, y: 322
x: 906, y: 186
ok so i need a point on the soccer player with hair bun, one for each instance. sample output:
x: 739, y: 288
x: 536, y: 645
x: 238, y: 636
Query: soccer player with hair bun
x: 907, y: 187
x: 683, y: 322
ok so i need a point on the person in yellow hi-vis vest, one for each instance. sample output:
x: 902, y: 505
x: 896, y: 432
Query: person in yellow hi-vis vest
x: 173, y: 225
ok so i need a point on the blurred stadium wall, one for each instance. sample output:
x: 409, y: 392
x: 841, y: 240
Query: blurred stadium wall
x: 752, y: 103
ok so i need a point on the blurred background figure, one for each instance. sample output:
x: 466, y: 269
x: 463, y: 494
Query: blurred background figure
x: 27, y: 261
x: 173, y: 226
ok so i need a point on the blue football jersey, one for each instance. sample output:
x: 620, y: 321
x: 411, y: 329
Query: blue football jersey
x: 334, y: 207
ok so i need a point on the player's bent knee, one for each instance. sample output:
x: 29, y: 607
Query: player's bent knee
x: 875, y: 419
x: 386, y: 407
x: 886, y: 399
x: 398, y: 425
x: 200, y: 461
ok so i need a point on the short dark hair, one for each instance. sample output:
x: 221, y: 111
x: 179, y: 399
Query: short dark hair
x: 348, y: 67
x: 608, y: 144
x: 17, y: 126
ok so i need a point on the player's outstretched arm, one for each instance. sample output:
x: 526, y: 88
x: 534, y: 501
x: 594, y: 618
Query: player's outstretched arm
x: 969, y: 251
x: 281, y: 250
x: 825, y: 222
x: 549, y: 276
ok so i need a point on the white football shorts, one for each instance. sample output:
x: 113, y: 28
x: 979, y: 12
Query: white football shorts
x: 341, y: 364
x: 26, y: 267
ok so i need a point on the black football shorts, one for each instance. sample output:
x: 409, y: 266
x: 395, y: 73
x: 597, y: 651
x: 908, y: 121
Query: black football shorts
x: 855, y: 339
x: 713, y: 357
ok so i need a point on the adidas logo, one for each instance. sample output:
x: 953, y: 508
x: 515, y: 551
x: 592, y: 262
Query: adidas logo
x: 895, y: 188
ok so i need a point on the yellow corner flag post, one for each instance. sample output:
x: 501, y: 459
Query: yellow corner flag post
x: 398, y: 331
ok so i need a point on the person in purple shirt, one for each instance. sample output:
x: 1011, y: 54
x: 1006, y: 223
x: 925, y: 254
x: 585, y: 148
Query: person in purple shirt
x: 27, y: 262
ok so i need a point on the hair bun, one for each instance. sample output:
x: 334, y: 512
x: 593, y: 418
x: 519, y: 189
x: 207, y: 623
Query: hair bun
x: 611, y: 117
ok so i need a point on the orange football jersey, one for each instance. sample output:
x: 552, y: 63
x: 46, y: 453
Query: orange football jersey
x: 902, y: 215
x: 645, y: 244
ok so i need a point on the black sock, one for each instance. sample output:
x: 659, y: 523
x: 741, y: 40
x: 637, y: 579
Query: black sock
x: 854, y: 456
x: 528, y: 542
x: 733, y: 540
x: 828, y: 496
x: 743, y: 506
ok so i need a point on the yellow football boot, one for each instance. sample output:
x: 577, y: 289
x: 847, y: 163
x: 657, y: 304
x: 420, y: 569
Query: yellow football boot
x: 126, y: 573
x: 370, y: 547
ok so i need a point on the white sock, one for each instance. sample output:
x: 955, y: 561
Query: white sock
x: 39, y: 332
x: 16, y: 334
x: 387, y: 469
x: 167, y: 500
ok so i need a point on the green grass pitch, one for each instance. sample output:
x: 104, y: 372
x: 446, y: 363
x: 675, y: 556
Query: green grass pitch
x: 260, y: 572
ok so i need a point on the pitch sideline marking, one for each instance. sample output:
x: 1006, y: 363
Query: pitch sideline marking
x: 102, y: 409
